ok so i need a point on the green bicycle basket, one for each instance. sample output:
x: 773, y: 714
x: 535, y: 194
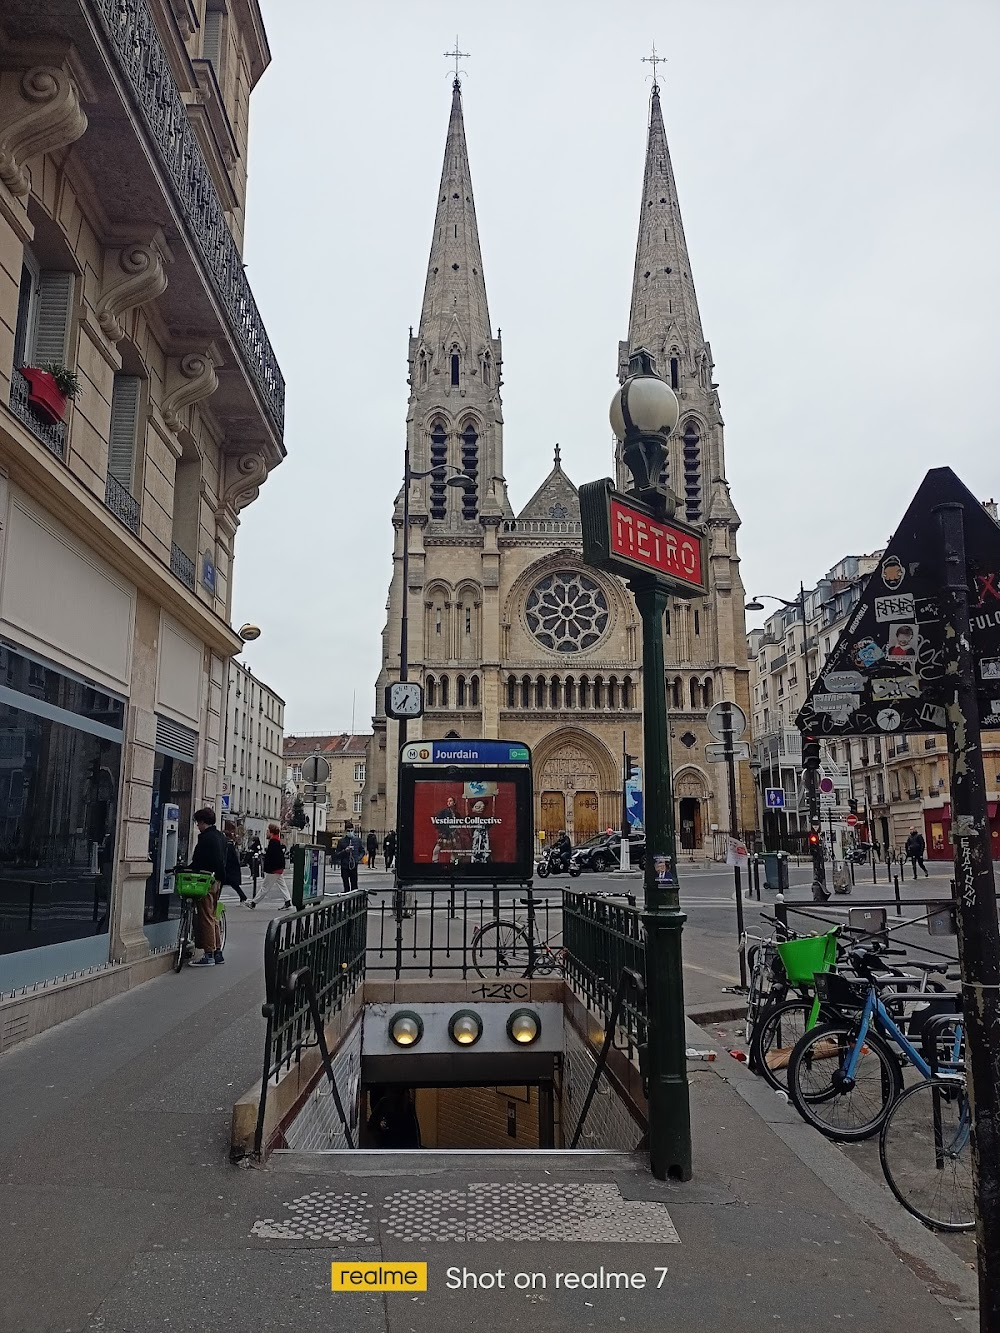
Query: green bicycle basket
x: 802, y: 959
x: 193, y: 883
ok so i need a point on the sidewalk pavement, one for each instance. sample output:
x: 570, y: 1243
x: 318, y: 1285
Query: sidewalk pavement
x: 122, y: 1212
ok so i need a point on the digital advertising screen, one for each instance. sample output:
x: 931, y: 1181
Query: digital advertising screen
x: 466, y: 824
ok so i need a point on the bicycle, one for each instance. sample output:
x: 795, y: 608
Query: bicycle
x: 924, y: 1145
x: 190, y: 886
x: 843, y: 1076
x: 510, y: 949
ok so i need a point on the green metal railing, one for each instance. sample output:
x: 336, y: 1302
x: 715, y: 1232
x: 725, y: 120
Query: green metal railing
x: 602, y: 939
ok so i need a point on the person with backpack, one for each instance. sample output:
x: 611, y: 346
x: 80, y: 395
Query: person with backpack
x: 234, y: 869
x: 274, y: 868
x: 349, y: 851
x: 371, y: 847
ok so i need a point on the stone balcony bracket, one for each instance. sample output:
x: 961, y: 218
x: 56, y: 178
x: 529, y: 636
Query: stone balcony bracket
x: 192, y: 378
x: 135, y: 273
x: 40, y: 112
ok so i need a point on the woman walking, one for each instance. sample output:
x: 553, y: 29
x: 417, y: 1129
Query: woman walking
x: 274, y: 868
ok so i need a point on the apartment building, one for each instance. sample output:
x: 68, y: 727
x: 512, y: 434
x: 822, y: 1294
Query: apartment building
x: 341, y: 798
x: 141, y: 408
x: 251, y: 767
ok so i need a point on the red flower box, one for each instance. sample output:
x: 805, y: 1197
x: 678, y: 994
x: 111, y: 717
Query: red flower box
x: 43, y: 395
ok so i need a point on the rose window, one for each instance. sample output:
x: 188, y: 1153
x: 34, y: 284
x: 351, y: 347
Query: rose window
x: 567, y: 612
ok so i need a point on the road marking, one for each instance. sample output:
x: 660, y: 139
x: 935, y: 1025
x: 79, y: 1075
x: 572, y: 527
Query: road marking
x: 710, y: 972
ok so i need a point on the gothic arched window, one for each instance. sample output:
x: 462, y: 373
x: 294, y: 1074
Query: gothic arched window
x: 511, y: 692
x: 474, y: 691
x: 470, y: 466
x: 439, y: 458
x: 525, y: 691
x: 569, y: 693
x: 627, y: 692
x: 456, y: 365
x: 423, y: 370
x: 431, y: 692
x: 584, y: 691
x: 443, y: 685
x: 691, y: 442
x: 460, y: 692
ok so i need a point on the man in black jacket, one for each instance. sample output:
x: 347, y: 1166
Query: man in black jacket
x: 348, y: 849
x: 210, y: 858
x: 915, y: 852
x: 234, y: 867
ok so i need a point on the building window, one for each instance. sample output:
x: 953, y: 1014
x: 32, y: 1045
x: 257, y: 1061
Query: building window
x: 443, y: 684
x: 439, y: 459
x: 431, y: 692
x: 675, y: 373
x: 511, y: 692
x: 124, y: 429
x: 470, y: 466
x: 357, y: 802
x: 468, y: 620
x: 455, y: 367
x: 691, y: 449
x: 697, y: 623
x: 460, y: 692
x: 359, y: 771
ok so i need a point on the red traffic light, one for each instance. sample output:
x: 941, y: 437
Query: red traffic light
x: 813, y: 838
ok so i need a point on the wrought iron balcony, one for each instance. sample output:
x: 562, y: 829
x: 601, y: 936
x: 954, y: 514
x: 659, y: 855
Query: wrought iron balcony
x: 143, y: 63
x: 122, y: 503
x: 182, y: 565
x: 52, y: 436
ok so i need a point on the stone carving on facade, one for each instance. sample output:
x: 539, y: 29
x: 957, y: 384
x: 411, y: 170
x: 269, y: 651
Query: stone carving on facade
x: 195, y: 380
x: 243, y: 478
x: 139, y: 276
x: 39, y: 114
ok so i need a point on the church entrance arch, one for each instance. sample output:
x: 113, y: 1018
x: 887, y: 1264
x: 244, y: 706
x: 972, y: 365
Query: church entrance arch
x: 572, y: 774
x: 691, y: 795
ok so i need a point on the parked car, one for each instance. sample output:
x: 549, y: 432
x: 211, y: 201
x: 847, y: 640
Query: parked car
x: 603, y: 851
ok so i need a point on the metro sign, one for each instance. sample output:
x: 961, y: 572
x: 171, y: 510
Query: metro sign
x: 625, y: 536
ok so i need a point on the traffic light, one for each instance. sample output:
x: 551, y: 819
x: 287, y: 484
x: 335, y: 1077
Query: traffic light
x: 631, y: 765
x: 852, y: 805
x: 813, y: 839
x: 810, y: 751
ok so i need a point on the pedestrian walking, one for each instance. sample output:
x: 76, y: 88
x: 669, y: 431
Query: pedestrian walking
x: 274, y: 868
x: 209, y: 857
x: 255, y: 863
x: 371, y: 847
x: 349, y: 851
x: 234, y: 870
x: 914, y: 850
x: 389, y: 848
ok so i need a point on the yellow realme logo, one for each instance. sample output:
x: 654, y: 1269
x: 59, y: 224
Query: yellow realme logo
x: 378, y: 1277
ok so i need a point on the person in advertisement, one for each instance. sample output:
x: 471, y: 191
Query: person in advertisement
x: 465, y: 823
x: 445, y: 822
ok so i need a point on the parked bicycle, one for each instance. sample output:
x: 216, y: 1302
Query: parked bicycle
x: 190, y: 886
x: 512, y: 948
x: 844, y: 1075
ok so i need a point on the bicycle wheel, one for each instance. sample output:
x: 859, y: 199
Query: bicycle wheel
x: 220, y: 916
x: 183, y: 934
x: 776, y: 1033
x: 500, y: 949
x: 843, y: 1108
x: 926, y: 1156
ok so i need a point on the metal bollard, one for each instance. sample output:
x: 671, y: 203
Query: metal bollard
x: 899, y: 905
x: 780, y: 911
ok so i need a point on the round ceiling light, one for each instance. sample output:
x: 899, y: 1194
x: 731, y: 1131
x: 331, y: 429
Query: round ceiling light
x: 524, y: 1027
x: 406, y: 1028
x: 465, y: 1027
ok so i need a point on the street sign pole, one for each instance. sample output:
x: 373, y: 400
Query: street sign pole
x: 727, y: 734
x: 819, y: 867
x: 978, y: 930
x: 663, y: 920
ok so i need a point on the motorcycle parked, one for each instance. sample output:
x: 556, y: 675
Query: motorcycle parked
x: 553, y: 862
x: 860, y: 855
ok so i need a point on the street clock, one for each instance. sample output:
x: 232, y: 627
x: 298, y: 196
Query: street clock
x: 404, y: 699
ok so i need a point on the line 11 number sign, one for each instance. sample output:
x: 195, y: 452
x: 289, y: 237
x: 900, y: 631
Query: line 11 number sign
x: 625, y: 536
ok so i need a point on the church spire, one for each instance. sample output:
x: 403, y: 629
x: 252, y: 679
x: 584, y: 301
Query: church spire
x: 454, y: 311
x: 664, y: 316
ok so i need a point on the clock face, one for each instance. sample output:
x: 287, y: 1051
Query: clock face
x: 405, y: 699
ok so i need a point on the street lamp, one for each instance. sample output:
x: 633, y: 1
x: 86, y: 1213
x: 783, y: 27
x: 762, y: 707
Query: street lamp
x: 643, y: 413
x: 819, y: 889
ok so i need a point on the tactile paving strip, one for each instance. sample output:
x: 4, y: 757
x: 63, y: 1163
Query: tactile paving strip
x: 516, y: 1212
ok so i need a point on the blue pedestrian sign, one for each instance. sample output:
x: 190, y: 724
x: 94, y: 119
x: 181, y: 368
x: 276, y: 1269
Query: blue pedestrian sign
x: 774, y: 798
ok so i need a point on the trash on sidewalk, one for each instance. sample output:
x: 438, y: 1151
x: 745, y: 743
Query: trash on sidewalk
x: 739, y: 1055
x: 693, y: 1053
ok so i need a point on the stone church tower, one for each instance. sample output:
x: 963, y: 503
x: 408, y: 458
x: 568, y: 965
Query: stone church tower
x: 511, y: 635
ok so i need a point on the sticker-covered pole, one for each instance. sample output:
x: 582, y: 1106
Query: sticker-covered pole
x: 728, y: 744
x: 665, y: 1063
x: 978, y: 930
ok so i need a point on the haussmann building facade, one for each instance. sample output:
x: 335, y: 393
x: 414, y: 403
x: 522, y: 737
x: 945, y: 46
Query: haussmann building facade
x: 123, y: 130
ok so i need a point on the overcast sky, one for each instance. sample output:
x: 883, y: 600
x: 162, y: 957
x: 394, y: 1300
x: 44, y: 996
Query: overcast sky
x: 837, y: 170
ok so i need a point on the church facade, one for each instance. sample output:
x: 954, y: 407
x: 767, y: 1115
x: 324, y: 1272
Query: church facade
x: 510, y: 634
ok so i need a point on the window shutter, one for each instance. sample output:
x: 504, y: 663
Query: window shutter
x: 211, y: 42
x: 124, y: 422
x: 52, y: 315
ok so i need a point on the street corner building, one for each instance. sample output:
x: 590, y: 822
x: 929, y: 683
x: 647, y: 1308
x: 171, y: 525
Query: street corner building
x: 511, y: 635
x: 141, y: 408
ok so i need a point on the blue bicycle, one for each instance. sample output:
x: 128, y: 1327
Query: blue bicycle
x: 844, y: 1076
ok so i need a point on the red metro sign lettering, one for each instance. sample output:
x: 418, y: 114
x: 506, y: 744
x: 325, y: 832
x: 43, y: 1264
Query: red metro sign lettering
x: 625, y: 536
x: 658, y: 546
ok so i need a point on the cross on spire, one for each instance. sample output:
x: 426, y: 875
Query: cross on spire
x: 653, y: 60
x: 457, y: 55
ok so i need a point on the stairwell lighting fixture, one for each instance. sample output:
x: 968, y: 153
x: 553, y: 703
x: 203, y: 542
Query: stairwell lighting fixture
x: 524, y: 1027
x: 465, y: 1027
x: 406, y: 1028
